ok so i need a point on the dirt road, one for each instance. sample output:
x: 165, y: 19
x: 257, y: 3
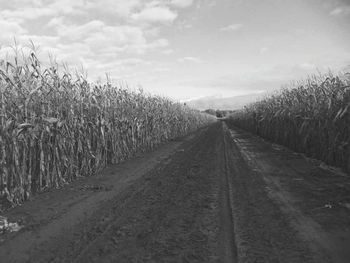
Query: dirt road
x: 219, y: 195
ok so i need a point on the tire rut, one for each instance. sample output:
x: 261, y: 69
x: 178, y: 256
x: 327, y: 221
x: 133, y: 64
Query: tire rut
x: 228, y: 231
x: 262, y: 232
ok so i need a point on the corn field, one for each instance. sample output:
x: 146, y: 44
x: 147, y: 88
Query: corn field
x: 312, y: 117
x: 55, y: 127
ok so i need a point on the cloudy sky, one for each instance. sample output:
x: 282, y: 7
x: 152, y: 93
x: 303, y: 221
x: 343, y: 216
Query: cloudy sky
x: 186, y: 48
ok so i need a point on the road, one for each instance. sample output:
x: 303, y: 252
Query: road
x: 218, y: 195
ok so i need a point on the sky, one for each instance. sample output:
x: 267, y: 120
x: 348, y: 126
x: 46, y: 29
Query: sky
x: 185, y: 49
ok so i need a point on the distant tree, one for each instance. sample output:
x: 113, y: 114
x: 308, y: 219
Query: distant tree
x: 223, y: 113
x: 219, y: 114
x: 210, y: 111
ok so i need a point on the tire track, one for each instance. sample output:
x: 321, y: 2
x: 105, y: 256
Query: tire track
x: 262, y: 232
x: 228, y: 245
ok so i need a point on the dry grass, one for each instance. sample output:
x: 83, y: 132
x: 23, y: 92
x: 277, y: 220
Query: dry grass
x: 55, y: 127
x: 312, y: 116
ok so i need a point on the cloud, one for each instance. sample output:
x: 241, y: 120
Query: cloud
x: 78, y: 32
x: 181, y: 3
x: 10, y: 29
x: 161, y: 69
x: 121, y: 8
x: 167, y: 51
x: 233, y: 27
x: 33, y: 10
x: 103, y: 38
x: 123, y: 39
x: 158, y: 43
x: 123, y: 64
x: 190, y: 59
x: 263, y: 50
x: 74, y: 53
x: 119, y: 38
x: 344, y: 10
x: 155, y: 14
x: 307, y: 66
x: 26, y: 13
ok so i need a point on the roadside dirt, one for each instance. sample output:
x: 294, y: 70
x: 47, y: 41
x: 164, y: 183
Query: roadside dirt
x: 219, y: 195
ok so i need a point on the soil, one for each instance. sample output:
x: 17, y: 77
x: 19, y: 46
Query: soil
x: 218, y: 195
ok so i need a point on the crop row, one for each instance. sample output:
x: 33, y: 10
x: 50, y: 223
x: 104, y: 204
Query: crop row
x: 311, y: 116
x: 55, y: 128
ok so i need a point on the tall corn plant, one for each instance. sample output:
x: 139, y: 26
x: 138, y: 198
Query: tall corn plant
x: 312, y: 116
x: 55, y: 127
